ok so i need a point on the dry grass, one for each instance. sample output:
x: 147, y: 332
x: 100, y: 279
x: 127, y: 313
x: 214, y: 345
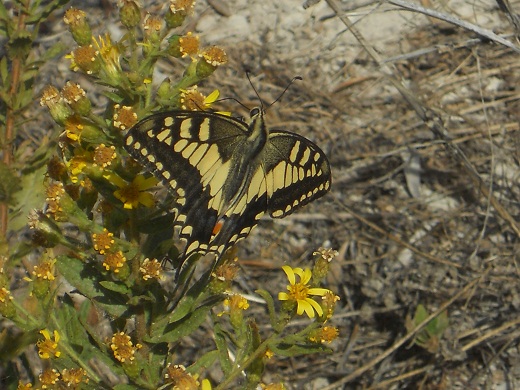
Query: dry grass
x: 424, y: 209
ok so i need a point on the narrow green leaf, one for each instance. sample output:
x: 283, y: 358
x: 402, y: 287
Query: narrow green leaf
x: 123, y: 387
x: 222, y: 348
x: 113, y: 96
x: 297, y: 350
x: 273, y: 318
x: 118, y: 287
x: 55, y: 50
x: 3, y: 12
x: 29, y: 74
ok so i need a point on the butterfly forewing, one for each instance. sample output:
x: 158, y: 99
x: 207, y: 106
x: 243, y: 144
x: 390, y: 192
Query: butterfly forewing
x: 225, y: 174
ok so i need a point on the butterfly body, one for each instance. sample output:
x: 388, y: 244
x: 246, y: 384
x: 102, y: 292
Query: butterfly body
x: 224, y: 174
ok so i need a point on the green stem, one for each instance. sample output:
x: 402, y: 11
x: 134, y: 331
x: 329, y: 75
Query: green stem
x: 241, y: 367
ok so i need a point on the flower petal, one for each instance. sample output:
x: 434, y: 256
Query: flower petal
x: 318, y: 291
x: 315, y: 305
x: 283, y: 296
x: 304, y: 306
x: 306, y: 276
x: 290, y: 274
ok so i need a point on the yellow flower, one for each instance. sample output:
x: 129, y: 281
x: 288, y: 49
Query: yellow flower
x: 180, y: 378
x: 110, y: 57
x: 192, y: 99
x: 123, y: 348
x: 74, y: 377
x: 325, y: 335
x: 124, y: 117
x: 45, y: 270
x: 104, y: 155
x: 103, y: 241
x: 48, y: 347
x: 24, y: 386
x: 48, y: 378
x: 151, y: 269
x: 114, y: 261
x: 299, y: 292
x: 131, y: 194
x: 189, y: 45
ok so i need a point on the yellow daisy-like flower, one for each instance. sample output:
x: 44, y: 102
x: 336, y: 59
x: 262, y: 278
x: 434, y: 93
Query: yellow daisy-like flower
x: 48, y: 347
x: 131, y: 194
x: 24, y: 386
x: 103, y: 241
x: 104, y: 155
x: 299, y: 291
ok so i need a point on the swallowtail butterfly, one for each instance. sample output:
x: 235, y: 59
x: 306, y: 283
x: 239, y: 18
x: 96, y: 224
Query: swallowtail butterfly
x: 224, y: 174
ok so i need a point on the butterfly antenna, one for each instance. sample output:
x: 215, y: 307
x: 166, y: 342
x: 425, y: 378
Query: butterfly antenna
x: 285, y: 90
x: 256, y: 91
x: 235, y: 100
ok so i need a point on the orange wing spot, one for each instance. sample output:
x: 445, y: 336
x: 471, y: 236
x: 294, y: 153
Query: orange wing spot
x: 218, y: 226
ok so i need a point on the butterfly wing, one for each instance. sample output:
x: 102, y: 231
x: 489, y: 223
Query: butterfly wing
x: 192, y: 153
x: 297, y: 172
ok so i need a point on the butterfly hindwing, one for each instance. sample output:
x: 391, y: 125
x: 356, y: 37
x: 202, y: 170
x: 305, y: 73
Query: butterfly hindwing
x: 298, y: 170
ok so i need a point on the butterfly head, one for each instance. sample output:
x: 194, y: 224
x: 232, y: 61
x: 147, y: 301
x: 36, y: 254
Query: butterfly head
x: 256, y: 112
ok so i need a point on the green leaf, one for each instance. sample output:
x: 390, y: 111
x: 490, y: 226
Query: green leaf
x: 222, y: 348
x: 30, y: 74
x: 57, y: 49
x: 297, y: 350
x: 115, y: 286
x: 113, y: 96
x: 124, y: 387
x: 43, y: 14
x: 174, y: 331
x: 270, y: 306
x: 3, y: 12
x: 204, y: 362
x: 87, y: 280
x: 188, y: 300
x: 31, y: 197
x: 9, y: 184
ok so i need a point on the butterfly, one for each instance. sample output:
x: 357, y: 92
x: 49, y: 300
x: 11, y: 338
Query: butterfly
x: 224, y: 173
